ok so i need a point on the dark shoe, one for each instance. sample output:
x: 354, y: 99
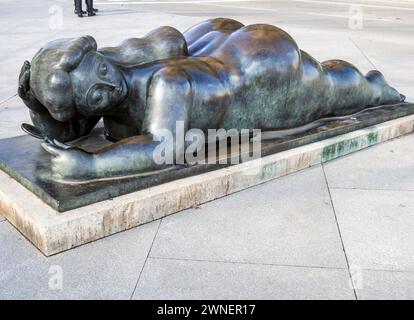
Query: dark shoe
x: 95, y: 10
x: 80, y: 15
x: 90, y: 14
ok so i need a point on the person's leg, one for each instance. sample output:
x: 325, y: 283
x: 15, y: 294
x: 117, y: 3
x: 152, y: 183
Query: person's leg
x: 78, y: 8
x: 89, y: 4
x: 93, y: 9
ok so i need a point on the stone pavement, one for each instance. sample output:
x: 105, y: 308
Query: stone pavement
x: 343, y: 230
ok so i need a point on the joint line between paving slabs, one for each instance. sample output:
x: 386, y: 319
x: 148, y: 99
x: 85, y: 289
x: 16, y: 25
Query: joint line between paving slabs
x: 7, y: 99
x: 363, y: 53
x: 373, y: 189
x: 247, y: 263
x: 146, y: 259
x: 339, y: 231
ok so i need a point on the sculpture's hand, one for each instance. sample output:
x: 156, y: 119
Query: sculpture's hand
x: 70, y: 164
x: 24, y: 91
x: 41, y: 118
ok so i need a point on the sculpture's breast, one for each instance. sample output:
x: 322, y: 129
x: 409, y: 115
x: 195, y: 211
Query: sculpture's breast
x: 211, y: 95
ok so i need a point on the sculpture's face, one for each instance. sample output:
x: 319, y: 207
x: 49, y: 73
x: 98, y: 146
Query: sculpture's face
x: 98, y: 85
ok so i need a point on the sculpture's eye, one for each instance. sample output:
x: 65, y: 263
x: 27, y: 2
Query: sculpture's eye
x: 103, y: 69
x: 95, y: 97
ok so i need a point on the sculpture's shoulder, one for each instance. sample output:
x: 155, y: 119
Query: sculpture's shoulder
x: 167, y: 42
x: 161, y: 43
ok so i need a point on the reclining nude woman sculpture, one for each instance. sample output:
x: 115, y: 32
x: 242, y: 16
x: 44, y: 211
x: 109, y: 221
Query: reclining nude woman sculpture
x: 218, y: 74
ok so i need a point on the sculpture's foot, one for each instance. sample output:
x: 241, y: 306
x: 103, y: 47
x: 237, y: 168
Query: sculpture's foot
x: 384, y: 93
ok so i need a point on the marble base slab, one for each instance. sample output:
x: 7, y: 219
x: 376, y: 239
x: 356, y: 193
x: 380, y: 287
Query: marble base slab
x: 52, y: 231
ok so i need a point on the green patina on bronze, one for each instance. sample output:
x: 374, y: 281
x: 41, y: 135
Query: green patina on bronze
x: 218, y: 74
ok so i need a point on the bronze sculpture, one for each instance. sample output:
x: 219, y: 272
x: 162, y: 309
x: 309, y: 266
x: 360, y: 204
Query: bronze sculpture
x: 218, y: 74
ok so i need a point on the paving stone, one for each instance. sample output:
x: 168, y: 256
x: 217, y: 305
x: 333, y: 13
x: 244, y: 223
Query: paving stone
x: 376, y: 227
x: 107, y: 269
x: 178, y: 279
x: 386, y: 285
x: 286, y: 221
x: 386, y: 166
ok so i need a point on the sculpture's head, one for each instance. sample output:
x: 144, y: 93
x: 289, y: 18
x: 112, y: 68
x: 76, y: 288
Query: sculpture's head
x: 70, y: 78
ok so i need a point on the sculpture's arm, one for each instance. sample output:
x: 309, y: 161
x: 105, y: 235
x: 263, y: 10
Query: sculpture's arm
x: 169, y: 100
x: 62, y: 131
x: 41, y: 118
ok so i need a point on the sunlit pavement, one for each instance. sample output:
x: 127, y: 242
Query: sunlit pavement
x: 343, y: 230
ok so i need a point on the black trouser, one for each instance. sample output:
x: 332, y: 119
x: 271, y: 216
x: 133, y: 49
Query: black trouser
x: 89, y: 5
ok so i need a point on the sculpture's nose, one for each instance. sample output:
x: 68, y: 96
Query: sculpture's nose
x: 114, y: 88
x: 111, y: 86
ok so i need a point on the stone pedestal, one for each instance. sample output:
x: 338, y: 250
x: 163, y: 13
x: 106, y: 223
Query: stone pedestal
x: 52, y: 231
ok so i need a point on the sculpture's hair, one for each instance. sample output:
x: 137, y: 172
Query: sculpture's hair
x: 50, y: 81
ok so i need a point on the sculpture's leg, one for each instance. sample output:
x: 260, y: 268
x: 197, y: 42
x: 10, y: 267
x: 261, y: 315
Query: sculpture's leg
x: 334, y: 88
x: 350, y: 91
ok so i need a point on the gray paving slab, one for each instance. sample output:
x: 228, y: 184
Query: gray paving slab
x: 385, y: 285
x: 391, y: 58
x: 106, y: 269
x: 377, y: 227
x: 287, y: 221
x: 13, y: 113
x: 386, y: 166
x: 8, y: 129
x: 178, y: 279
